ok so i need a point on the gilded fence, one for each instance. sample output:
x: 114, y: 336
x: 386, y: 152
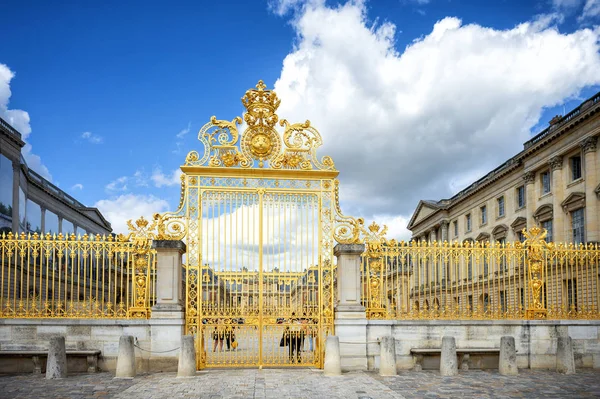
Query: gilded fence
x: 480, y: 280
x: 56, y: 276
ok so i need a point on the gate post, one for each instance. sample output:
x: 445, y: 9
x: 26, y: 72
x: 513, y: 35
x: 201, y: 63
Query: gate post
x: 167, y: 321
x: 350, y: 315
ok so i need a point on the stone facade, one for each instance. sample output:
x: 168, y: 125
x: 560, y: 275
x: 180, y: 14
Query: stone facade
x: 554, y: 183
x: 30, y: 203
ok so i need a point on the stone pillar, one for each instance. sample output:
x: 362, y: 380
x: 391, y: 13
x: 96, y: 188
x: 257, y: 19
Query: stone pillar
x: 332, y: 364
x: 187, y: 358
x: 508, y: 357
x: 168, y: 317
x: 56, y: 366
x: 448, y: 359
x: 15, y: 195
x: 592, y: 217
x: 126, y: 359
x: 565, y: 362
x: 350, y: 316
x: 445, y: 230
x: 387, y: 359
x: 530, y: 194
x: 433, y: 235
x: 558, y: 189
x: 60, y: 219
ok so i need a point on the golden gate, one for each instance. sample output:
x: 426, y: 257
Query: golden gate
x: 257, y: 213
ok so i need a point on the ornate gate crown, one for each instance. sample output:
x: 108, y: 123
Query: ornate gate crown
x: 260, y: 145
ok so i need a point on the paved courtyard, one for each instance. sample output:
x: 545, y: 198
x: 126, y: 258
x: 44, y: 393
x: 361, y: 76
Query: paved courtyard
x: 304, y: 383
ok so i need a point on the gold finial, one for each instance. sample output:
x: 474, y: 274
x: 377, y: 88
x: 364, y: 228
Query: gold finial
x: 260, y: 105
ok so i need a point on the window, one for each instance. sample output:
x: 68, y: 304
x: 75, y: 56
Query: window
x: 502, y: 242
x: 578, y: 226
x: 455, y: 224
x: 571, y: 291
x: 520, y: 236
x: 468, y: 221
x: 545, y: 176
x: 576, y: 167
x: 471, y: 302
x: 522, y: 303
x: 501, y: 206
x: 470, y: 268
x: 502, y: 301
x: 484, y: 214
x: 548, y: 226
x: 520, y: 196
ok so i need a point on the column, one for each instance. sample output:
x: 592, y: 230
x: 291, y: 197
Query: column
x: 15, y: 197
x: 529, y: 178
x: 167, y: 320
x: 60, y: 219
x: 592, y: 218
x: 558, y: 195
x: 445, y: 225
x: 350, y: 316
x: 433, y: 234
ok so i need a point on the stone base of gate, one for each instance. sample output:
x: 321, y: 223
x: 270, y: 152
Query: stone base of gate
x: 351, y: 328
x: 166, y: 329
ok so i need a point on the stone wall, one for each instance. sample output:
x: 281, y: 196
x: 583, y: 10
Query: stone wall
x: 33, y: 334
x: 535, y: 340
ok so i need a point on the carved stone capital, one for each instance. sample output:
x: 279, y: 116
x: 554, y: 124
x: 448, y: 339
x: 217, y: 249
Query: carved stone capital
x: 444, y: 224
x: 529, y: 177
x: 556, y: 162
x: 589, y: 144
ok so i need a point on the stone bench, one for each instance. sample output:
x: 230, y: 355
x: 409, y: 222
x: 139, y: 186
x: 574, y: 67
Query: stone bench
x: 39, y: 358
x: 464, y: 355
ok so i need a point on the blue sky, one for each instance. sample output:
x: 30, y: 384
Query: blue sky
x: 117, y: 91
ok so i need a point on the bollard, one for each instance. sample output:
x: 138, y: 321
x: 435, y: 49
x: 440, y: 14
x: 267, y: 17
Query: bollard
x: 56, y: 367
x: 333, y: 363
x: 187, y: 358
x: 126, y: 358
x: 387, y: 361
x: 507, y: 364
x: 448, y: 360
x: 565, y: 362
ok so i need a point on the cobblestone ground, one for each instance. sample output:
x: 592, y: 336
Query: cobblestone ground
x: 241, y: 384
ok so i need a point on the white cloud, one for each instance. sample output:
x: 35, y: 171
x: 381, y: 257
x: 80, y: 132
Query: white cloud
x: 183, y: 132
x: 130, y: 207
x: 591, y: 9
x: 416, y: 123
x: 160, y: 179
x: 119, y: 184
x: 396, y: 225
x: 77, y: 186
x: 180, y: 136
x: 19, y: 119
x: 92, y: 138
x: 282, y: 7
x: 566, y: 4
x: 140, y: 178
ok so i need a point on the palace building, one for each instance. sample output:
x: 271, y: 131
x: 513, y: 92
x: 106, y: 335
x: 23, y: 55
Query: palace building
x: 554, y: 182
x: 30, y: 203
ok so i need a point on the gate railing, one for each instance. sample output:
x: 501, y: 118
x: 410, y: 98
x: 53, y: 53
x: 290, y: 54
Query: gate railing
x: 433, y: 280
x: 56, y: 276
